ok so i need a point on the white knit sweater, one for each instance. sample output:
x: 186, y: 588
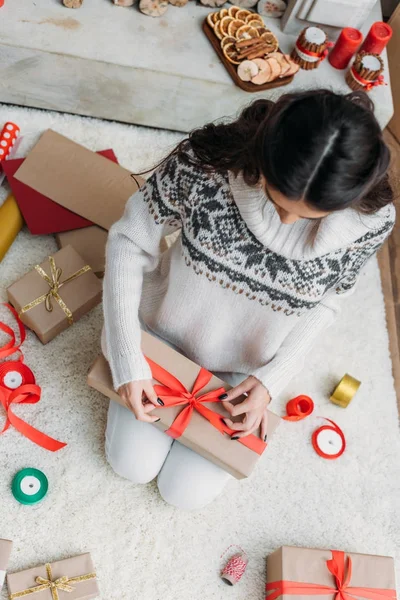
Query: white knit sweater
x: 238, y: 291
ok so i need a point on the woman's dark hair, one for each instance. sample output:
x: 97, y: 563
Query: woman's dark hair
x: 322, y: 147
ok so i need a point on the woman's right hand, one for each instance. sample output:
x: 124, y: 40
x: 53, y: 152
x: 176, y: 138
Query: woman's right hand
x: 141, y: 399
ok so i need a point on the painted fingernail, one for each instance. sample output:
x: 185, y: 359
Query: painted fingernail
x: 223, y: 396
x: 235, y: 437
x: 265, y: 437
x: 157, y: 420
x: 160, y: 402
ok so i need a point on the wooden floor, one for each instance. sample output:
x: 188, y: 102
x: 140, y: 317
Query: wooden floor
x: 389, y: 262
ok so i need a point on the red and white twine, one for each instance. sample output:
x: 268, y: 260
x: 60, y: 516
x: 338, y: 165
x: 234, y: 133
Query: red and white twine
x: 235, y: 568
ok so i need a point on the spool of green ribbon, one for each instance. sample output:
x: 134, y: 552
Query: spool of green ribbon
x: 29, y: 486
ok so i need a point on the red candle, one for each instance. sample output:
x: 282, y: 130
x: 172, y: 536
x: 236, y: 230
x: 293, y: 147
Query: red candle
x: 347, y: 44
x: 377, y: 38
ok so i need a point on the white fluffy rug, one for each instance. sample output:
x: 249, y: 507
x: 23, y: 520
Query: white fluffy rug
x: 144, y: 549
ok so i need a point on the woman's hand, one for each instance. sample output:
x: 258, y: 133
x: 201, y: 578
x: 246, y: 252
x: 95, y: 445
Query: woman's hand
x: 141, y: 399
x: 254, y: 408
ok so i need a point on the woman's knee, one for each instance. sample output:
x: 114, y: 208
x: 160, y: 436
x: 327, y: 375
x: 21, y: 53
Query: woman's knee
x: 135, y: 450
x: 189, y: 481
x: 130, y: 468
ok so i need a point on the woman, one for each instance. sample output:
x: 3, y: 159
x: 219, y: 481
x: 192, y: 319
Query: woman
x: 278, y: 212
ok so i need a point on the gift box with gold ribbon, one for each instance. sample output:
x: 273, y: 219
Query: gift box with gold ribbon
x: 55, y: 294
x: 329, y: 575
x: 192, y: 412
x: 73, y: 579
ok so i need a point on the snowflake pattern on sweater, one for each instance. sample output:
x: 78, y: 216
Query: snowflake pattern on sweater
x: 217, y: 243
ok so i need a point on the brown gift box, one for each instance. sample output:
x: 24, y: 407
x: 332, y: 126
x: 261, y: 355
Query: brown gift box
x: 73, y: 568
x: 200, y: 435
x: 307, y: 565
x: 90, y: 243
x: 5, y: 552
x: 79, y: 295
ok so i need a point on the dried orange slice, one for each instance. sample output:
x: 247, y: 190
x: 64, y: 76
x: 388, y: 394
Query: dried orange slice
x: 223, y: 13
x: 210, y: 19
x: 246, y: 33
x: 271, y: 40
x: 233, y: 10
x: 231, y: 54
x: 227, y: 40
x: 217, y: 30
x: 234, y: 26
x: 242, y: 14
x: 254, y: 17
x: 223, y: 25
x: 256, y: 24
x: 262, y: 29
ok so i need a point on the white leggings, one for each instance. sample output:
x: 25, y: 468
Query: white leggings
x: 139, y: 452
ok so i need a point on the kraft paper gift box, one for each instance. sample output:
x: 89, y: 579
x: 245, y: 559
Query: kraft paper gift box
x: 302, y: 572
x: 55, y: 294
x: 73, y: 579
x: 90, y: 243
x: 5, y: 552
x: 200, y: 435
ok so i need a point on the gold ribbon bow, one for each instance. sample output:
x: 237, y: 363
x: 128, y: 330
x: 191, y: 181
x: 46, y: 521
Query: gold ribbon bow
x: 54, y: 284
x: 62, y: 583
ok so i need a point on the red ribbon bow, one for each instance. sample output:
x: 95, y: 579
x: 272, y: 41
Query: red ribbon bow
x: 342, y: 590
x: 173, y: 393
x: 369, y: 85
x: 321, y: 56
x: 26, y: 393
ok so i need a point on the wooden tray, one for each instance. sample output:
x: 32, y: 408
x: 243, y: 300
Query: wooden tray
x: 247, y: 86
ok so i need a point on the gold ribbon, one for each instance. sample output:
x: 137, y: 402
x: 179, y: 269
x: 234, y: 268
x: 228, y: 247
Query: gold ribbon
x: 345, y: 391
x: 54, y: 284
x: 62, y: 583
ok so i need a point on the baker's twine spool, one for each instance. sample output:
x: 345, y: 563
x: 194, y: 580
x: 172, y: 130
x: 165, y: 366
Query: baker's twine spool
x: 311, y: 48
x: 235, y: 568
x: 366, y: 72
x: 345, y: 391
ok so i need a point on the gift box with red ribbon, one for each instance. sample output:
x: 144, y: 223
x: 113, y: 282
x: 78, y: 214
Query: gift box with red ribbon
x: 192, y: 411
x: 329, y: 575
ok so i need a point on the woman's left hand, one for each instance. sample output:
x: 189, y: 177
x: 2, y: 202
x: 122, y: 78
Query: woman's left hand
x: 254, y: 408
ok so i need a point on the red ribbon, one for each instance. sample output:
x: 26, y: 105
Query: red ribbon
x: 365, y: 82
x: 12, y: 346
x: 27, y: 393
x: 322, y: 56
x: 299, y: 408
x: 341, y: 591
x: 173, y: 393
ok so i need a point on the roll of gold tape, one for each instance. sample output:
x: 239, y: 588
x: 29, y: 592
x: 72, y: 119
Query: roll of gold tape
x: 345, y: 391
x: 10, y: 224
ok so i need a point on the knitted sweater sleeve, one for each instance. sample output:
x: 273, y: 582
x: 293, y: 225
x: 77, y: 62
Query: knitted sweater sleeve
x: 133, y: 248
x: 289, y: 359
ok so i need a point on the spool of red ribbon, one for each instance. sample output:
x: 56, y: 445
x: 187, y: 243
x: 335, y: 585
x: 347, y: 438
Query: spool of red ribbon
x: 18, y: 386
x: 299, y: 408
x: 13, y: 374
x: 328, y: 441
